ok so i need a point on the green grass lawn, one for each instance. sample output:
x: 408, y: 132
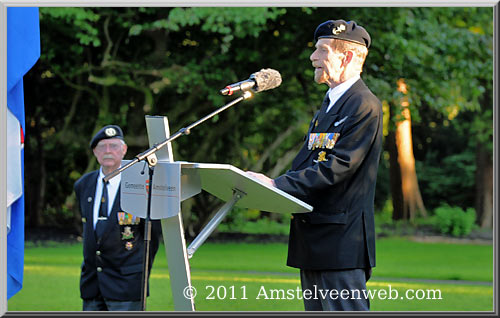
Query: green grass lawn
x: 51, y: 277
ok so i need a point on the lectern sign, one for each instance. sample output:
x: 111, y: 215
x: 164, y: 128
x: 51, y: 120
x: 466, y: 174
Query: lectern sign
x: 166, y: 190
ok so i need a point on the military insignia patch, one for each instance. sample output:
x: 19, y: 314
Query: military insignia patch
x: 125, y: 218
x: 313, y: 140
x: 322, y: 140
x: 137, y: 220
x: 127, y: 233
x: 321, y: 157
x: 331, y: 140
x: 340, y: 121
x: 110, y: 132
x: 121, y: 217
x: 338, y: 29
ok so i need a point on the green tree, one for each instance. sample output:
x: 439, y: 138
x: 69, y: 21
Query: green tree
x: 115, y: 65
x: 439, y: 57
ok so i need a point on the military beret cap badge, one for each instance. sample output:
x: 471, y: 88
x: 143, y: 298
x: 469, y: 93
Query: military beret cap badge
x: 343, y: 30
x: 109, y: 131
x: 338, y: 29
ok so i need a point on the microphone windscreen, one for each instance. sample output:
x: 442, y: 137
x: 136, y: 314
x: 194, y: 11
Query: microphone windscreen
x: 266, y: 79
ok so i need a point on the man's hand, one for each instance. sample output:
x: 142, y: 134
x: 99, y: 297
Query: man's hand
x: 263, y: 178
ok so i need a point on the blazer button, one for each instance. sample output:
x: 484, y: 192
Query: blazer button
x: 303, y: 221
x: 98, y: 253
x: 291, y: 217
x: 99, y: 269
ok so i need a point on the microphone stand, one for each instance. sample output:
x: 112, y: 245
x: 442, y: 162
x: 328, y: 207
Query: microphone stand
x: 147, y: 240
x: 150, y: 156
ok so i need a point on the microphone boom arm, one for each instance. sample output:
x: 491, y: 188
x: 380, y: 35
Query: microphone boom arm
x: 150, y: 155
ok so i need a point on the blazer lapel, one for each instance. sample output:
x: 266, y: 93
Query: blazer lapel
x: 304, y: 152
x: 89, y: 198
x: 335, y: 112
x: 324, y: 121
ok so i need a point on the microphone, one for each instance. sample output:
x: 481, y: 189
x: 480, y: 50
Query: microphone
x: 259, y: 81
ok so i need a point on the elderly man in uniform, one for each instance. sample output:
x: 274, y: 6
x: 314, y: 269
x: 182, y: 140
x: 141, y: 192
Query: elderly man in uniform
x: 335, y: 172
x: 113, y: 241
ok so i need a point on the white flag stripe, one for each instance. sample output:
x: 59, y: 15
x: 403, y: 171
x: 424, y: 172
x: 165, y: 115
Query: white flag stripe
x: 14, y: 173
x: 8, y: 219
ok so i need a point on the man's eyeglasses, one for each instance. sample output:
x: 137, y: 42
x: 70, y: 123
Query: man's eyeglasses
x: 103, y: 147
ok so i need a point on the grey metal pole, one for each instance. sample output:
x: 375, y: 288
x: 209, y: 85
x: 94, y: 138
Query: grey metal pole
x: 214, y: 222
x: 147, y: 241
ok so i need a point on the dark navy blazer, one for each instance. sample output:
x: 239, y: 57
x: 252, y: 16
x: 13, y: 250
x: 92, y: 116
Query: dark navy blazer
x: 112, y: 266
x: 339, y: 233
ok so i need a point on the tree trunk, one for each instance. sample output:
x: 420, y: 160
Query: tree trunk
x: 484, y: 172
x: 484, y: 187
x: 395, y: 177
x: 412, y: 199
x: 407, y: 200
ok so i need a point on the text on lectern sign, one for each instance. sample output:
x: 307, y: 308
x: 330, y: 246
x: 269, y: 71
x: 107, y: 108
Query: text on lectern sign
x: 165, y: 195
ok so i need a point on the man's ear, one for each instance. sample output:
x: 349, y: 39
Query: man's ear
x: 347, y: 58
x: 125, y: 149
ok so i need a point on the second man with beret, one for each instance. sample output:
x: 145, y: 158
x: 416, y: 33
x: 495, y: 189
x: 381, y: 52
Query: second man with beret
x: 113, y: 240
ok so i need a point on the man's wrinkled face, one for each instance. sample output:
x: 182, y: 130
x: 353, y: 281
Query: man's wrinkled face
x: 109, y: 153
x: 328, y: 63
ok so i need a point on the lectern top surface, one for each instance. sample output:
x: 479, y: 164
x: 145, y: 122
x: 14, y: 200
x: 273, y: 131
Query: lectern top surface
x: 221, y: 179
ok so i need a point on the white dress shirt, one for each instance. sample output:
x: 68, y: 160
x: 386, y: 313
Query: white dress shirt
x: 335, y: 93
x: 113, y: 185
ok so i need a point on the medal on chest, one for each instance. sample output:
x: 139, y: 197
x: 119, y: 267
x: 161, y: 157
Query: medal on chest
x: 127, y: 233
x: 125, y: 218
x: 322, y: 140
x: 321, y: 157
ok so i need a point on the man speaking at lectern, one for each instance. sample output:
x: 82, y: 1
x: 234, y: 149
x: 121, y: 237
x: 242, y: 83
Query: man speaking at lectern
x: 335, y: 172
x: 113, y: 240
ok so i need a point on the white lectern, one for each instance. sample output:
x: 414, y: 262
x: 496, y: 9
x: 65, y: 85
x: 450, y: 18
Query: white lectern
x: 175, y: 181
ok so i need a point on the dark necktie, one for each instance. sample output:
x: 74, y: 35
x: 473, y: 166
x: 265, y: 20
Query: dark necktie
x: 319, y: 115
x: 103, y: 211
x: 324, y: 106
x: 305, y: 151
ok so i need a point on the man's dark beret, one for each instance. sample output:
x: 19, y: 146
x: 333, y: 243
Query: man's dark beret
x: 106, y: 132
x: 342, y: 30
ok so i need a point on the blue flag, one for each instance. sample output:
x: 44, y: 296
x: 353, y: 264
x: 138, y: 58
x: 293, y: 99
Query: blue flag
x: 23, y: 50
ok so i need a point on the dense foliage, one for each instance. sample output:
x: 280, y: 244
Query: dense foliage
x: 115, y: 65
